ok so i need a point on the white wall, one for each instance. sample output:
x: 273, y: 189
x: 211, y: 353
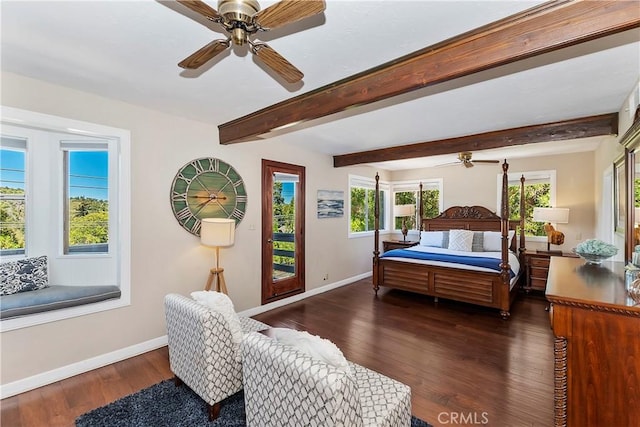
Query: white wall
x: 575, y: 185
x: 166, y: 258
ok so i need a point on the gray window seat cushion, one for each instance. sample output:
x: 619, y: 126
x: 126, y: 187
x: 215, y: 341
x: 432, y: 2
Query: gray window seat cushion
x: 53, y: 298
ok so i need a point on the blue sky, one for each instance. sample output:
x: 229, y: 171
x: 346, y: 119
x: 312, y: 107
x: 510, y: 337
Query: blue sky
x: 287, y: 191
x: 89, y: 170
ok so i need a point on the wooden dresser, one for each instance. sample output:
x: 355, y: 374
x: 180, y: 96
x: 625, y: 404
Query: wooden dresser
x: 597, y: 344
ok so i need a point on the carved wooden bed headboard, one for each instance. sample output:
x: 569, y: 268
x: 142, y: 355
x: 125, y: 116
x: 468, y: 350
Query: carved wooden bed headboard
x: 475, y: 218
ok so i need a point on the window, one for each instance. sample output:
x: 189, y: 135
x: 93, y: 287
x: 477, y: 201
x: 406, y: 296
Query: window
x: 361, y: 205
x: 539, y: 192
x: 406, y: 193
x: 65, y: 193
x: 86, y: 201
x: 12, y: 196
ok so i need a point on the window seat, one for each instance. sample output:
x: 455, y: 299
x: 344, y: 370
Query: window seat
x: 53, y: 298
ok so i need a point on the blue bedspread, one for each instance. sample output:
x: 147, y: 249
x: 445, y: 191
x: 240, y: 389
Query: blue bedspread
x: 486, y: 262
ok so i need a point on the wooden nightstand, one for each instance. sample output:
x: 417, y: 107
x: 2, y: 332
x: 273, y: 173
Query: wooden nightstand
x: 387, y: 245
x: 536, y: 266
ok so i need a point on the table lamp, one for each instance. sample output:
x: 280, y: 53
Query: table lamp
x: 217, y: 233
x: 549, y: 216
x: 404, y: 211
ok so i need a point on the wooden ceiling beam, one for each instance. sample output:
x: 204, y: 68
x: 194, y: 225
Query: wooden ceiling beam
x: 545, y: 28
x: 605, y: 124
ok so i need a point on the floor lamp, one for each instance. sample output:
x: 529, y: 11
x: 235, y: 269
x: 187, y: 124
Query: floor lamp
x: 217, y: 233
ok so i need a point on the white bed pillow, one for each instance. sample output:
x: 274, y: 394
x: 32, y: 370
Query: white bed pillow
x: 493, y: 240
x: 222, y: 304
x: 460, y: 240
x: 431, y: 238
x: 317, y: 347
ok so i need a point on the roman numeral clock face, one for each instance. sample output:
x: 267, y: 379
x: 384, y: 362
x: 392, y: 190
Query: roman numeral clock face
x: 207, y: 188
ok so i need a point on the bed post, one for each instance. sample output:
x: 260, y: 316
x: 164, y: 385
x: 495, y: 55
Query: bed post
x: 522, y: 244
x: 376, y: 234
x: 504, y: 226
x: 420, y: 212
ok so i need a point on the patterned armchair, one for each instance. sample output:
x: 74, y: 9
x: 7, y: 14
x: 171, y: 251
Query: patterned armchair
x: 202, y: 353
x: 285, y: 387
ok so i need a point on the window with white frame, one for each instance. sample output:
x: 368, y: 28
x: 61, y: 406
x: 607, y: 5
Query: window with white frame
x: 539, y: 192
x: 361, y: 205
x: 405, y: 194
x: 13, y: 153
x: 86, y: 196
x: 65, y: 194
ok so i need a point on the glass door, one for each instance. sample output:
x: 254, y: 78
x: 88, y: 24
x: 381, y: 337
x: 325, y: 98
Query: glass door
x: 282, y: 230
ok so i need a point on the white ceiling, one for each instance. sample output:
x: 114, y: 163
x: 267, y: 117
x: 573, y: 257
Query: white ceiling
x: 129, y: 50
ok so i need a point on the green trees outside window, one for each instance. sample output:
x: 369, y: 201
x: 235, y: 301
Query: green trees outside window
x: 363, y: 209
x: 12, y: 219
x: 89, y: 222
x: 536, y: 195
x: 430, y: 206
x: 12, y: 197
x: 284, y: 218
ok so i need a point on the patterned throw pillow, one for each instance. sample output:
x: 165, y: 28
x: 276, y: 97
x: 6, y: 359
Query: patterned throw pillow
x: 478, y: 242
x: 23, y: 275
x: 460, y: 240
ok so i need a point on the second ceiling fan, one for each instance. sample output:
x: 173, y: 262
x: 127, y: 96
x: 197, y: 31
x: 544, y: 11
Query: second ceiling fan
x: 465, y: 158
x: 241, y: 19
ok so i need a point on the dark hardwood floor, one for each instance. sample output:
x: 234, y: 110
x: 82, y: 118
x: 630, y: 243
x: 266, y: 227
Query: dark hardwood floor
x: 464, y: 364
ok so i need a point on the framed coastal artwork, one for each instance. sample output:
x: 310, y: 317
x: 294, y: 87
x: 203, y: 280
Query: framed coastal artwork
x: 330, y: 204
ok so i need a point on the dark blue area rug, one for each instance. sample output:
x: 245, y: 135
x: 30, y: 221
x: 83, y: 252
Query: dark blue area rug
x: 164, y: 404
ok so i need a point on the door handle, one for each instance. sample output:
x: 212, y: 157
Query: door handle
x: 269, y: 241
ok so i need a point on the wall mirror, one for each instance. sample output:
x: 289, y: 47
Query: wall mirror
x: 631, y: 141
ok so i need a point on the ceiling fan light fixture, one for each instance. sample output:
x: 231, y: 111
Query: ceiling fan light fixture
x: 239, y: 36
x: 464, y: 156
x: 238, y: 10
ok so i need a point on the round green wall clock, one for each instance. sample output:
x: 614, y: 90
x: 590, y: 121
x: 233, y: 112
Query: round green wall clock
x: 207, y: 188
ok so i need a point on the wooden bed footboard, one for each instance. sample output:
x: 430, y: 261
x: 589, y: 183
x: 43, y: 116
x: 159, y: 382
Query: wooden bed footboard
x: 474, y: 287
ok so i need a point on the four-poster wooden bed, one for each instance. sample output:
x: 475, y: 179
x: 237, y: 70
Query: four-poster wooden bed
x: 496, y: 289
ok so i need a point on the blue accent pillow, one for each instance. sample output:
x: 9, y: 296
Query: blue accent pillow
x: 24, y: 275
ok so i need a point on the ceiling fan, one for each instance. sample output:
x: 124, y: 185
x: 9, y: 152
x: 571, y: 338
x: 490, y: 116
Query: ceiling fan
x: 242, y: 19
x: 464, y: 158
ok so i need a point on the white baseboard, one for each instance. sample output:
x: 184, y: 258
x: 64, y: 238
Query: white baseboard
x: 286, y: 301
x: 49, y: 377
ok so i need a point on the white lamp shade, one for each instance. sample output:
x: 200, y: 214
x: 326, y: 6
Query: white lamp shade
x: 404, y: 210
x: 552, y: 215
x: 637, y: 215
x: 217, y: 231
